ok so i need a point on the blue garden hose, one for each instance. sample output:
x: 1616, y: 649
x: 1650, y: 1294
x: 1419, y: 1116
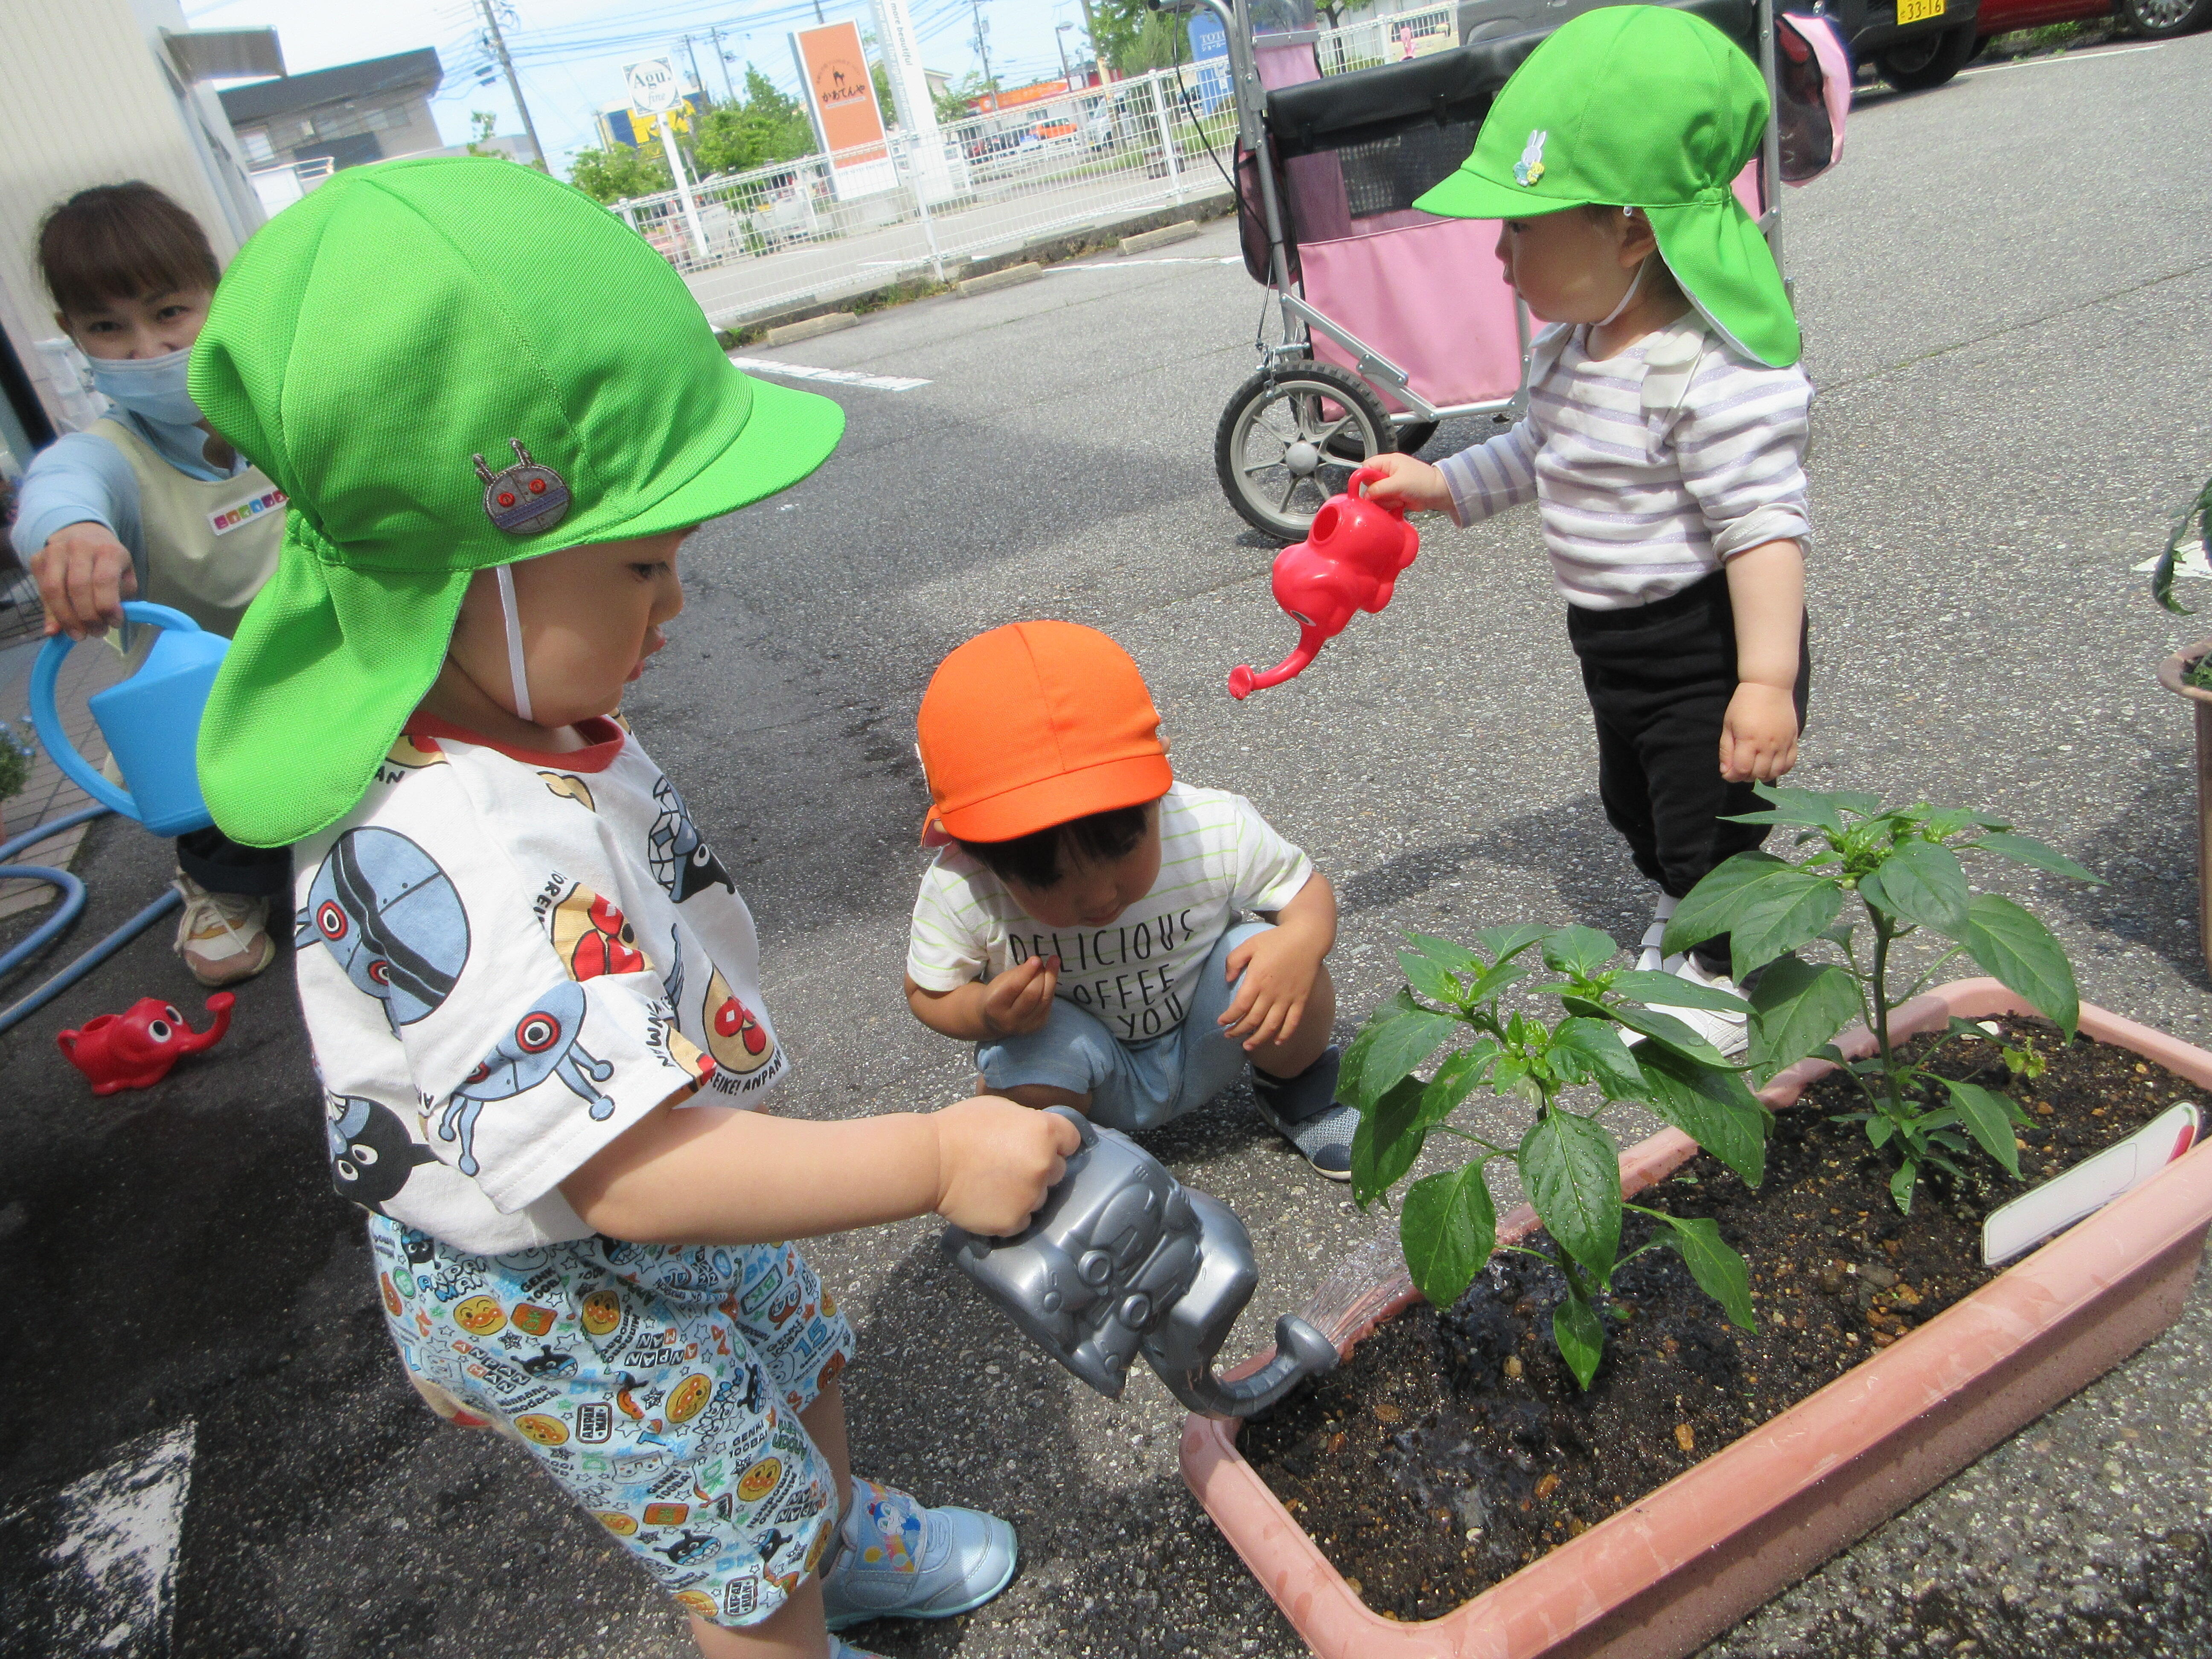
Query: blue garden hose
x: 71, y: 905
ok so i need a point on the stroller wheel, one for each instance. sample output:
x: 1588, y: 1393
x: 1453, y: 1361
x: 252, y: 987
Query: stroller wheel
x: 1290, y: 438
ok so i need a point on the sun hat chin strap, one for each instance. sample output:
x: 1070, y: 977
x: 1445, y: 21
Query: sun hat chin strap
x: 1635, y: 283
x: 517, y: 670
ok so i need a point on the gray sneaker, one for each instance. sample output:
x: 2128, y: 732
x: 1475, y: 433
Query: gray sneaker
x: 1304, y: 1110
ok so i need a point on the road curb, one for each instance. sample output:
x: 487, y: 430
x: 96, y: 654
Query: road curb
x: 997, y: 279
x: 1160, y: 237
x: 829, y: 322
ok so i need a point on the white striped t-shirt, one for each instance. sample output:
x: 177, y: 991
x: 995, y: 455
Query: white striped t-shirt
x: 1638, y: 503
x: 1217, y: 856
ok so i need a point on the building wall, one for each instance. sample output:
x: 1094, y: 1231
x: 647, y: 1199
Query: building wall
x: 88, y: 96
x: 401, y: 122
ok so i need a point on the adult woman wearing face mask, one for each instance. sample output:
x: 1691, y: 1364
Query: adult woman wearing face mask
x: 148, y: 503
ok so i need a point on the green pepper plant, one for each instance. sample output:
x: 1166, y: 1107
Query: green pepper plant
x: 1902, y: 864
x: 2194, y: 522
x: 1569, y: 1163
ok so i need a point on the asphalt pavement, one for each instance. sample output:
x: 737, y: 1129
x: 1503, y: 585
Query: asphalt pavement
x: 2006, y: 287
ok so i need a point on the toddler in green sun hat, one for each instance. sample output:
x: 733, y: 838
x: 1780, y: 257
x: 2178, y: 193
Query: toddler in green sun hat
x: 533, y: 991
x: 1665, y: 438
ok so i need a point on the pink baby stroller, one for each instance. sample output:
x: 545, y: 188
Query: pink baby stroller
x: 1394, y: 320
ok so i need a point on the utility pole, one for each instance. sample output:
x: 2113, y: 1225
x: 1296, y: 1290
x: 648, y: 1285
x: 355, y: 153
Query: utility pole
x: 513, y: 83
x: 723, y: 58
x: 982, y: 50
x: 697, y: 79
x: 1065, y: 76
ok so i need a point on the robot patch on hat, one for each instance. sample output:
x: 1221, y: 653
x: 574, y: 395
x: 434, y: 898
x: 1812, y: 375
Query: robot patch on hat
x: 1530, y: 167
x: 525, y: 498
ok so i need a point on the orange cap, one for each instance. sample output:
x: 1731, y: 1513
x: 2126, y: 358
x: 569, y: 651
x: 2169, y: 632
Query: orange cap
x: 1037, y: 724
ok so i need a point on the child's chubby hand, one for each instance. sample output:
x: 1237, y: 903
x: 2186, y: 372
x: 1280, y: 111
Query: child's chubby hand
x: 1758, y: 734
x: 1019, y: 1001
x: 1412, y: 485
x: 1279, y: 968
x: 995, y: 1162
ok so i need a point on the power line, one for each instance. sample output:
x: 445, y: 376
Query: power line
x: 514, y: 86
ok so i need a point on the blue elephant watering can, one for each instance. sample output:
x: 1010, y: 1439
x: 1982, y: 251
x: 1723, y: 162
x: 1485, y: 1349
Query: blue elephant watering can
x: 151, y: 723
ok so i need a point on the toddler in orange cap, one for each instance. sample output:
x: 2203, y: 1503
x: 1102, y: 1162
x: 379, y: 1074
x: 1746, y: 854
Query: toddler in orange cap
x: 1081, y: 922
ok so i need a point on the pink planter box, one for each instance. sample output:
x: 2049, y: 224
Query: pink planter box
x: 1668, y: 1573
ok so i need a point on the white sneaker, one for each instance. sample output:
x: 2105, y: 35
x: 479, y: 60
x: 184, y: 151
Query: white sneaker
x: 1651, y: 951
x: 223, y: 937
x: 1729, y: 1033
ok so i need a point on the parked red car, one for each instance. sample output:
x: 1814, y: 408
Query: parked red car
x: 2155, y: 18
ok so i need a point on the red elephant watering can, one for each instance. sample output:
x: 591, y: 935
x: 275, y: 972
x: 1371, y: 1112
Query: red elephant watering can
x: 135, y: 1050
x: 1349, y: 562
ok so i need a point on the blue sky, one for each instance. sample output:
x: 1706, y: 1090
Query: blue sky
x: 570, y: 53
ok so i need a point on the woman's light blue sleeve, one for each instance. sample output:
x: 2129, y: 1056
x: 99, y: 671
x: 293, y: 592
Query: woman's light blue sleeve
x: 79, y: 476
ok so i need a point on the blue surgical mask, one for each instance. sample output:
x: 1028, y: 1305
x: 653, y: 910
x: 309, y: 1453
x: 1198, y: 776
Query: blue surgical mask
x: 152, y: 388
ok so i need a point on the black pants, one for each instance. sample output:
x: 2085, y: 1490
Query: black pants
x: 1659, y: 678
x: 222, y: 865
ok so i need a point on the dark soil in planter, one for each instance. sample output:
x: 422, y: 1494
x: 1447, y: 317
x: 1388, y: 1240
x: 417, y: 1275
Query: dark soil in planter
x: 1452, y: 1448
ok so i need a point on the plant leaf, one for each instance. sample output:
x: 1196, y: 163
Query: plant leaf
x: 1853, y: 800
x: 1581, y: 1336
x: 1988, y: 1118
x: 1455, y: 1080
x: 1798, y: 1007
x: 1711, y: 1104
x: 1390, y: 1138
x: 1729, y: 889
x: 1580, y: 951
x: 1923, y: 883
x: 1571, y: 1170
x: 1452, y: 958
x: 1448, y: 1228
x: 2020, y: 952
x: 1480, y: 987
x: 1879, y: 1129
x: 1595, y: 1044
x: 1719, y: 1271
x: 2025, y: 849
x: 1432, y: 978
x: 1786, y: 915
x: 1812, y: 808
x: 1401, y: 1036
x: 1900, y: 1186
x: 1505, y: 943
x: 1662, y: 1029
x: 1673, y: 991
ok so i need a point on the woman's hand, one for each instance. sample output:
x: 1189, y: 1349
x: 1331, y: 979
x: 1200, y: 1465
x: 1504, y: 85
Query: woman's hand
x: 1412, y: 485
x: 84, y: 575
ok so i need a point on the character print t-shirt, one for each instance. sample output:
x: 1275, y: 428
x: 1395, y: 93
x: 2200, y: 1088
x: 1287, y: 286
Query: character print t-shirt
x: 506, y: 960
x: 1217, y: 856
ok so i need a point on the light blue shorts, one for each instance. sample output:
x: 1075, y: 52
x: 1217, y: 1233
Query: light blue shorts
x: 660, y: 1386
x: 1132, y: 1085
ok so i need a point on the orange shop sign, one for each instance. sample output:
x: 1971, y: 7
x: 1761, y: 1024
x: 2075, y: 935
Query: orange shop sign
x: 841, y: 92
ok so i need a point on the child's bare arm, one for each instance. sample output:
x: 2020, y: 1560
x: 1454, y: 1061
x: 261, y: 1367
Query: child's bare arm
x: 1280, y: 966
x: 711, y: 1174
x: 1015, y: 1003
x: 1766, y: 588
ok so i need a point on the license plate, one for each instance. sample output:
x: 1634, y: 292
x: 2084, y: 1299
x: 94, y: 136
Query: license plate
x: 1919, y: 11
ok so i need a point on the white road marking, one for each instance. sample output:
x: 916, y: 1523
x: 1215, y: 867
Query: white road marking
x: 834, y: 376
x: 1123, y: 264
x: 2061, y: 57
x: 105, y: 1583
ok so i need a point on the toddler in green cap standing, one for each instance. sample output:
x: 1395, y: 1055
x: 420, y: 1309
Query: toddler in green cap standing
x: 531, y: 989
x: 1665, y: 437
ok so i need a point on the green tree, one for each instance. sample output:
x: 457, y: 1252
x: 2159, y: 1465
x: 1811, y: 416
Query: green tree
x: 620, y: 172
x: 1133, y: 39
x: 952, y: 103
x: 881, y: 76
x: 763, y: 128
x: 482, y: 124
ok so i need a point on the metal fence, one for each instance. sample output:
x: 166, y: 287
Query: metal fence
x: 826, y: 226
x: 1387, y: 39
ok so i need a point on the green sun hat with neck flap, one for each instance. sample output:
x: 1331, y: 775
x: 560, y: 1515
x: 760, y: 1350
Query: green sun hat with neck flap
x: 1648, y: 107
x: 446, y: 365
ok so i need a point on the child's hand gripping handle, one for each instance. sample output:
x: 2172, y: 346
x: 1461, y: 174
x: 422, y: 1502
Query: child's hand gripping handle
x: 1349, y: 562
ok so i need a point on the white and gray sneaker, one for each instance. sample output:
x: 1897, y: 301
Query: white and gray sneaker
x: 1302, y: 1109
x: 1729, y: 1033
x: 1651, y: 951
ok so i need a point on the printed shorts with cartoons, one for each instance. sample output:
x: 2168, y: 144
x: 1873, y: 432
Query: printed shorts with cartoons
x: 661, y: 1387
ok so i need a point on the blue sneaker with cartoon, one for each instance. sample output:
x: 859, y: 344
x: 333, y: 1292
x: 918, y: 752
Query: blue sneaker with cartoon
x: 896, y: 1559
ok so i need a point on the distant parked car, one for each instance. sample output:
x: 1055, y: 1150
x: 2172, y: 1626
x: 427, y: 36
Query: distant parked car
x: 2156, y: 19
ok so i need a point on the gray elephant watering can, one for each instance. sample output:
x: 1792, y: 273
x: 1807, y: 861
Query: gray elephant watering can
x: 1123, y: 1260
